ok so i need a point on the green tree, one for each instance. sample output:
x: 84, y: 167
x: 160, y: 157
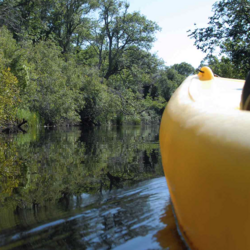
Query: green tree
x: 46, y: 19
x: 222, y: 67
x: 10, y: 16
x: 68, y: 18
x: 118, y: 32
x: 184, y: 69
x: 12, y: 56
x: 228, y: 30
x: 169, y: 80
x: 9, y: 85
x: 54, y: 85
x: 9, y: 97
x: 101, y: 104
x: 136, y: 86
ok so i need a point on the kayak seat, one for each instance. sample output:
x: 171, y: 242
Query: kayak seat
x: 245, y: 97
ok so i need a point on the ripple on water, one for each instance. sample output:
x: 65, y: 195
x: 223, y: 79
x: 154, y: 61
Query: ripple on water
x: 138, y: 217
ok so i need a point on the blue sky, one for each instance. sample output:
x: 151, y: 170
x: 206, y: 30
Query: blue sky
x: 175, y: 17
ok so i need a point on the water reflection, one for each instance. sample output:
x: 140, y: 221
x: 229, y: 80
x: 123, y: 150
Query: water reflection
x: 137, y: 217
x: 82, y: 190
x: 168, y: 237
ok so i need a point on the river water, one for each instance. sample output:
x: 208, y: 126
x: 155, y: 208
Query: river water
x: 95, y: 189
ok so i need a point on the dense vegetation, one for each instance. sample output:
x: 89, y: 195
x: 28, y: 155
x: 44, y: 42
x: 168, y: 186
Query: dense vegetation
x: 228, y: 32
x: 80, y: 61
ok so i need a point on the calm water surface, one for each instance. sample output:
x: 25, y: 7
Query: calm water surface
x: 73, y: 189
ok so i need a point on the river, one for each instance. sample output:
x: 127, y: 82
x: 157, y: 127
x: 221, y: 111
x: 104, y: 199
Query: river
x: 93, y: 189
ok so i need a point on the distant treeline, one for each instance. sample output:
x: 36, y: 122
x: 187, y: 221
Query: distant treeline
x: 81, y: 62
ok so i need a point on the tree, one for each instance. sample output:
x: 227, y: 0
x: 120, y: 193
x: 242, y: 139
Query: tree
x: 101, y: 104
x: 118, y: 32
x: 9, y: 97
x: 68, y: 18
x: 54, y: 85
x: 9, y: 16
x: 136, y: 87
x: 44, y: 19
x: 9, y: 85
x: 184, y: 69
x: 168, y: 81
x: 222, y: 67
x: 228, y: 30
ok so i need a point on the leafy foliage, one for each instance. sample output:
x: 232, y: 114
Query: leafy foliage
x: 50, y: 92
x: 9, y: 97
x: 229, y: 31
x: 9, y: 87
x: 101, y: 104
x: 67, y: 66
x: 184, y: 69
x: 169, y: 80
x: 118, y: 32
x: 222, y: 67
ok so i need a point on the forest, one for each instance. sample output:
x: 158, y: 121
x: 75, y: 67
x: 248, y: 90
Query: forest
x: 81, y: 62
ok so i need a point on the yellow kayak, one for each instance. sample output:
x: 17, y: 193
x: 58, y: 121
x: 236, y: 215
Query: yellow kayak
x: 205, y: 147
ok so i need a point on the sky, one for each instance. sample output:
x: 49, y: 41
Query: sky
x: 176, y: 17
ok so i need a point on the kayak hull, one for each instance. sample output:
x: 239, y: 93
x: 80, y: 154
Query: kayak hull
x: 206, y: 158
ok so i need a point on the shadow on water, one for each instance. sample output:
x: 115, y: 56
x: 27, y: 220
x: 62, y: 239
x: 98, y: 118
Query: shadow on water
x: 98, y: 189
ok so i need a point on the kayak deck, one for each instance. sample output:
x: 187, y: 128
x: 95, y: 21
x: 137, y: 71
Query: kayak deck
x: 220, y: 92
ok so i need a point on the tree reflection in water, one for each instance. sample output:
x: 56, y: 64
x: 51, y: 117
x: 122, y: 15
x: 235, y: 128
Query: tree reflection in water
x: 63, y: 189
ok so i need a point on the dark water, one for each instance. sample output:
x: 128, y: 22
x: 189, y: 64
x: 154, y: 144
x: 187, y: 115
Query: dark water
x: 72, y: 189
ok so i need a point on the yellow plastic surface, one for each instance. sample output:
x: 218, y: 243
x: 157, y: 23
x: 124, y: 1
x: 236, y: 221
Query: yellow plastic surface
x: 205, y: 147
x: 206, y: 74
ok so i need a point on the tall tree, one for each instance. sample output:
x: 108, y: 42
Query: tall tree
x: 41, y: 19
x: 10, y: 16
x: 68, y: 18
x: 118, y: 32
x: 184, y: 69
x: 9, y: 85
x: 228, y: 30
x: 222, y: 67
